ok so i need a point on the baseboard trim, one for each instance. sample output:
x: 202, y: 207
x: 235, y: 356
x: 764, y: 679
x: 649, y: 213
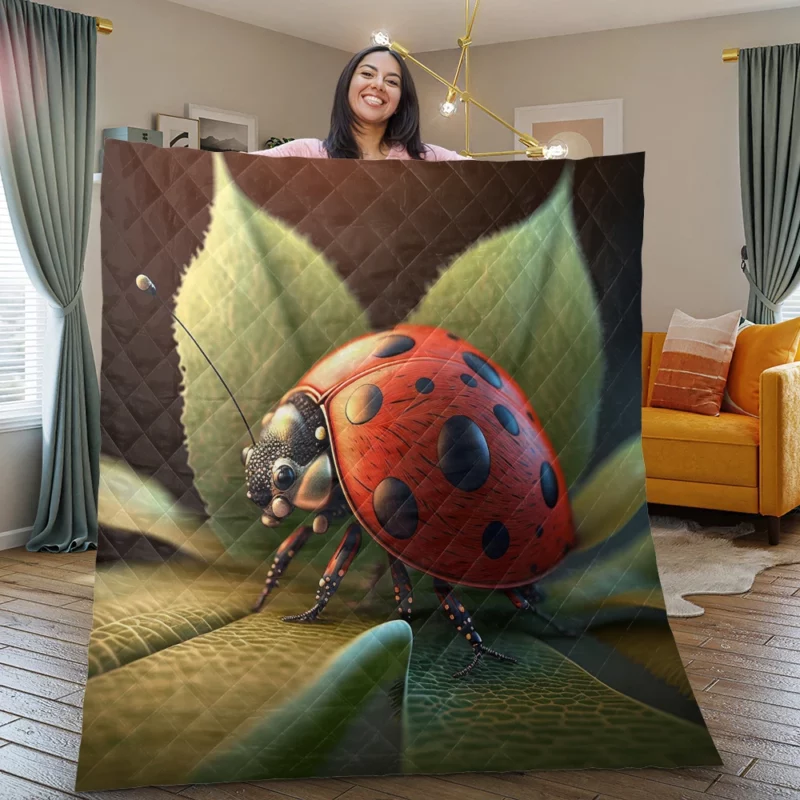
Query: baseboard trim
x: 18, y: 538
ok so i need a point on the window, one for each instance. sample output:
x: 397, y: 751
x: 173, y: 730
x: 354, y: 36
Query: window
x: 791, y: 305
x: 22, y: 326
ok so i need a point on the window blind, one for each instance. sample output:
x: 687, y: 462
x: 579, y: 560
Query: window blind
x: 22, y: 329
x: 791, y: 306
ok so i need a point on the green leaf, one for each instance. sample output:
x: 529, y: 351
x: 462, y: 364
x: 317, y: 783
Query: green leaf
x: 548, y: 711
x: 650, y: 648
x: 160, y: 716
x: 141, y: 611
x: 621, y: 576
x: 525, y: 298
x: 611, y: 495
x: 132, y: 501
x: 209, y: 699
x: 294, y: 740
x: 265, y: 305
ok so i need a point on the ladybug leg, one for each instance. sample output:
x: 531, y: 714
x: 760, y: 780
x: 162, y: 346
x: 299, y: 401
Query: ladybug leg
x: 402, y: 588
x: 286, y: 552
x: 525, y: 598
x: 334, y: 572
x: 461, y: 618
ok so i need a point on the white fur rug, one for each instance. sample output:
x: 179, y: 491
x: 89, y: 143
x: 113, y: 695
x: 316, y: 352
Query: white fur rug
x: 705, y: 560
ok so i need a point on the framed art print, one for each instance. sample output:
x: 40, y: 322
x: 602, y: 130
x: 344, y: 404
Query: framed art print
x: 588, y: 129
x: 224, y: 131
x: 179, y: 131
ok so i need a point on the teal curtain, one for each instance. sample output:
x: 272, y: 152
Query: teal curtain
x: 47, y: 119
x: 769, y: 145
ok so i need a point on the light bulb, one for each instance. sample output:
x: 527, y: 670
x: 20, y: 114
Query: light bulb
x: 555, y: 149
x: 381, y: 38
x: 449, y: 107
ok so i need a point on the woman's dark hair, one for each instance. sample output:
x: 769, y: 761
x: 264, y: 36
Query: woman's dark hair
x: 402, y: 127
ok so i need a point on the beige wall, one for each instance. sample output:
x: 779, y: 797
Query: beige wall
x: 160, y: 57
x: 680, y: 107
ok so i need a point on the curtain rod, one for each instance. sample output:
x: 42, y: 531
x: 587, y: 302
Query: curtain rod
x: 104, y: 25
x: 731, y: 54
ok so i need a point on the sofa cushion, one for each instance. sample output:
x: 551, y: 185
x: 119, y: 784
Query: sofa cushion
x: 758, y: 348
x: 683, y: 446
x: 694, y: 363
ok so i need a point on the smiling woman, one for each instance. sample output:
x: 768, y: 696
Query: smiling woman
x: 375, y: 115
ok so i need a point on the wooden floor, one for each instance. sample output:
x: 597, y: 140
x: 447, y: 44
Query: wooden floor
x: 743, y: 658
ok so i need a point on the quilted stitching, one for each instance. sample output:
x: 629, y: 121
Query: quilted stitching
x: 139, y: 236
x: 389, y: 228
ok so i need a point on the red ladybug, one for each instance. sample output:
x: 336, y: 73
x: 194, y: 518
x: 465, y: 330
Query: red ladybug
x: 437, y: 453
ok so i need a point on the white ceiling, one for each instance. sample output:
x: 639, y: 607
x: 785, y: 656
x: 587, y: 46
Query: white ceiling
x: 423, y: 25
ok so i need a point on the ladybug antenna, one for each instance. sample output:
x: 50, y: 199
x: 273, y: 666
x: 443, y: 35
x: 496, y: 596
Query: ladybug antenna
x: 144, y: 284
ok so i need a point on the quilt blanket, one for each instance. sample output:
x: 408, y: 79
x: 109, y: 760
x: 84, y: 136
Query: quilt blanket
x: 373, y: 496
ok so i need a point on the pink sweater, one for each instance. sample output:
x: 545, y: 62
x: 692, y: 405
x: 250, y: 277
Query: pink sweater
x: 313, y: 148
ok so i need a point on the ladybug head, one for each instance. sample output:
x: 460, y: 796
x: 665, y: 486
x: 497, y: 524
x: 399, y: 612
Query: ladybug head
x: 290, y: 465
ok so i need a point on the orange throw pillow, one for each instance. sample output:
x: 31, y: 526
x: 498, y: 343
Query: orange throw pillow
x: 758, y: 347
x: 695, y: 362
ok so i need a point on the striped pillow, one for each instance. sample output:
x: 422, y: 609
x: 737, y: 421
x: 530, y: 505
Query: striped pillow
x: 695, y: 362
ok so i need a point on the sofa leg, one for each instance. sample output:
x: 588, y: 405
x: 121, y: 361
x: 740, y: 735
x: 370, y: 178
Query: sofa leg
x: 774, y: 529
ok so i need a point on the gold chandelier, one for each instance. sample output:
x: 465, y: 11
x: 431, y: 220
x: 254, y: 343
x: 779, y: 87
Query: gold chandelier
x: 455, y: 94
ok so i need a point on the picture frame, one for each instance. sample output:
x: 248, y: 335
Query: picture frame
x: 224, y: 131
x: 590, y: 128
x: 179, y: 131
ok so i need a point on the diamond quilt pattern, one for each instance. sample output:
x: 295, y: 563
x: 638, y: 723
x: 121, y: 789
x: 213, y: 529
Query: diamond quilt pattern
x: 388, y: 227
x: 205, y: 691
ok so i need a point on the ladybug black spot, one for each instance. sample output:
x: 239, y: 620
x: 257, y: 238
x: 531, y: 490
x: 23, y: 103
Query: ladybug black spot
x: 393, y: 345
x: 495, y: 540
x: 453, y: 337
x: 534, y: 568
x: 395, y: 508
x: 364, y: 404
x: 484, y: 369
x: 425, y: 385
x: 549, y: 482
x: 469, y: 380
x: 531, y: 417
x: 464, y: 456
x: 507, y: 420
x: 540, y: 532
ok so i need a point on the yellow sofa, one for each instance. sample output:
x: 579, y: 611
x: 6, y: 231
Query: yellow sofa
x: 731, y: 462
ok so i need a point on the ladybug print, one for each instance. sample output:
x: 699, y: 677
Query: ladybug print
x: 437, y: 454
